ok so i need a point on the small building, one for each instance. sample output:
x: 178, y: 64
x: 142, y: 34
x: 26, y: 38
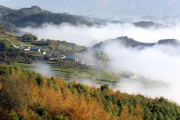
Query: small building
x: 87, y: 63
x: 72, y: 58
x: 49, y: 53
x: 26, y: 48
x: 17, y: 46
x: 60, y: 56
x: 36, y: 49
x: 53, y: 59
x: 134, y: 76
x: 43, y: 52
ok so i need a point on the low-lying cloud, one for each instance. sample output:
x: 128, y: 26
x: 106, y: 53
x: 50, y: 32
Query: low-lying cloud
x: 88, y: 36
x: 159, y: 63
x: 42, y: 68
x: 156, y: 63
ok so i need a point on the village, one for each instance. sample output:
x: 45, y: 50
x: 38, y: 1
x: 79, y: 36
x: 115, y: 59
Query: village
x: 63, y: 60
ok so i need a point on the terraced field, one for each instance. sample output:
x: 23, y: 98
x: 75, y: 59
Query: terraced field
x: 80, y: 73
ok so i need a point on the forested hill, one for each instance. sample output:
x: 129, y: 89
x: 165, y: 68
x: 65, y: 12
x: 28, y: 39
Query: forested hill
x: 6, y: 34
x: 35, y: 17
x: 129, y: 42
x: 4, y: 11
x: 28, y: 95
x: 148, y: 24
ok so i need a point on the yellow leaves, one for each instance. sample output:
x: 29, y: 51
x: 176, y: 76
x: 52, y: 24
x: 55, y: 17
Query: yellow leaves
x: 110, y: 91
x: 76, y: 105
x: 33, y: 93
x: 56, y: 80
x: 125, y: 114
x: 117, y: 94
x: 45, y: 80
x: 149, y: 100
x: 75, y: 81
x: 112, y: 106
x: 72, y: 99
x: 135, y: 114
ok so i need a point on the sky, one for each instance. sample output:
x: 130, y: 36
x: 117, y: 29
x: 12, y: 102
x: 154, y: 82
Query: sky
x: 104, y: 8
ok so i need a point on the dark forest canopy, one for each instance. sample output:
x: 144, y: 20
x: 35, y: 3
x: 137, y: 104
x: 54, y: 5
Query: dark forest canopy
x: 35, y: 17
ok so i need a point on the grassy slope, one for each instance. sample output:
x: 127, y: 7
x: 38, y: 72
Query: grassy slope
x: 97, y: 75
x: 5, y: 34
x: 27, y: 95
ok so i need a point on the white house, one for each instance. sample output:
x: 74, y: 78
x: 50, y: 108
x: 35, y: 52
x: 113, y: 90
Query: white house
x: 134, y: 76
x: 60, y: 56
x: 26, y: 48
x: 44, y: 53
x: 17, y: 46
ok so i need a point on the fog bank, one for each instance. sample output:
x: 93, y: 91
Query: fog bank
x: 159, y: 63
x: 88, y: 36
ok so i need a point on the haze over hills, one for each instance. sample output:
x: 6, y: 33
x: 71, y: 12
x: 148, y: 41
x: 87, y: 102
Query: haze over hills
x: 12, y: 19
x: 35, y: 17
x: 104, y: 8
x: 128, y: 42
x: 148, y: 24
x: 144, y: 61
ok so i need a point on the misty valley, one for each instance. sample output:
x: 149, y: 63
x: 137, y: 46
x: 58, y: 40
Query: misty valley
x: 63, y: 66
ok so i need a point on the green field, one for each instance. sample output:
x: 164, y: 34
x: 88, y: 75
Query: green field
x: 95, y: 75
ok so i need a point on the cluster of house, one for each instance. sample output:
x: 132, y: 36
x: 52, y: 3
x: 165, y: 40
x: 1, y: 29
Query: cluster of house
x: 25, y: 48
x: 61, y: 57
x: 57, y: 57
x: 28, y: 48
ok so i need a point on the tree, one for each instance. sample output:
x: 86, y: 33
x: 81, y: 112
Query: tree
x: 39, y: 79
x: 104, y: 87
x: 13, y: 94
x: 4, y: 45
x: 1, y: 28
x: 29, y: 37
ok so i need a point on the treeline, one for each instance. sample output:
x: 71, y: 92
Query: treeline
x: 35, y: 17
x: 7, y: 26
x: 25, y: 94
x: 48, y: 17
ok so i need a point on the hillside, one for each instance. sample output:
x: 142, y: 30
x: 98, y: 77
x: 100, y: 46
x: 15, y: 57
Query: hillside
x: 35, y: 17
x: 25, y: 94
x: 28, y: 95
x: 5, y: 34
x: 13, y: 50
x: 128, y: 42
x: 46, y: 17
x: 4, y: 11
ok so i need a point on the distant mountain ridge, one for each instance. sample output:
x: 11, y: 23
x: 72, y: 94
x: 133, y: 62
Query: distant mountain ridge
x: 105, y: 8
x: 128, y: 42
x: 35, y: 17
x: 4, y: 11
x: 148, y: 24
x: 142, y: 24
